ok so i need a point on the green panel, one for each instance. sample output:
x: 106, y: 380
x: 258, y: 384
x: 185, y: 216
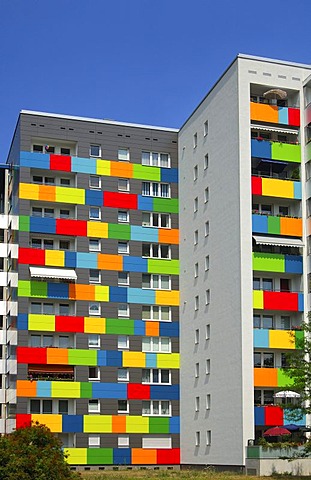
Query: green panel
x: 170, y: 267
x: 119, y: 327
x: 38, y: 289
x: 166, y: 205
x: 120, y: 232
x: 100, y: 456
x: 23, y: 288
x: 253, y: 452
x: 82, y: 357
x: 299, y: 335
x: 146, y: 173
x: 283, y: 379
x: 24, y: 223
x: 285, y: 151
x: 159, y: 425
x: 269, y: 262
x: 274, y: 225
x: 86, y: 390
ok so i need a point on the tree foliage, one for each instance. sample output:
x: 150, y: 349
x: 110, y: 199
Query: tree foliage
x: 33, y: 453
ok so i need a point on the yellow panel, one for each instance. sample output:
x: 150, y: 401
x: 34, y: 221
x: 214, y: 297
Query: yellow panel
x: 76, y: 456
x: 97, y: 230
x: 137, y: 424
x: 166, y: 360
x: 134, y: 359
x: 167, y: 298
x: 103, y: 167
x: 277, y: 188
x: 258, y: 299
x: 281, y: 339
x: 53, y: 422
x: 65, y: 389
x: 55, y: 258
x: 97, y: 424
x: 70, y: 195
x: 46, y: 323
x: 101, y: 293
x: 29, y: 191
x: 94, y: 325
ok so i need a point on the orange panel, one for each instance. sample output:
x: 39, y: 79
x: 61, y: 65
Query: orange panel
x: 47, y: 193
x: 26, y: 388
x: 263, y: 112
x: 118, y: 424
x: 57, y: 356
x: 110, y: 262
x: 169, y: 236
x: 265, y: 377
x: 152, y: 328
x: 81, y: 292
x: 144, y: 456
x: 291, y: 226
x: 121, y: 169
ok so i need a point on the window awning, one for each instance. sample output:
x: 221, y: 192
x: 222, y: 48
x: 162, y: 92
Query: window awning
x: 50, y: 369
x: 281, y: 242
x: 273, y: 129
x: 43, y: 272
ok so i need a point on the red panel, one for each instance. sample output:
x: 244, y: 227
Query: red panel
x: 23, y: 420
x: 69, y: 324
x: 168, y: 456
x: 120, y: 200
x: 31, y: 256
x: 274, y: 416
x: 280, y: 301
x: 256, y: 186
x: 60, y: 162
x: 71, y: 227
x: 294, y: 116
x: 136, y: 391
x: 31, y: 355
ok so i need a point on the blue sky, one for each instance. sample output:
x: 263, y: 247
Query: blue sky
x: 144, y: 61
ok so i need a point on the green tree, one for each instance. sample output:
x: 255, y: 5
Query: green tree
x: 33, y: 453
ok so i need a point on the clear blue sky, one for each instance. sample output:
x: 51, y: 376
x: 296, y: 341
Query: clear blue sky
x: 144, y: 61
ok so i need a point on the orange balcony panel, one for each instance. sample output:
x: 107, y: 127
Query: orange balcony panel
x: 144, y: 456
x: 121, y: 169
x: 25, y: 388
x: 264, y: 112
x: 118, y: 424
x: 57, y: 356
x: 265, y: 377
x: 81, y: 292
x: 291, y: 226
x: 169, y: 236
x: 47, y: 193
x: 110, y: 262
x: 152, y: 329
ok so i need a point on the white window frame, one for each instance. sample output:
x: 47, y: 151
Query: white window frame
x: 123, y: 312
x: 92, y: 311
x: 206, y: 228
x: 92, y: 278
x: 156, y: 248
x: 99, y: 150
x: 152, y: 404
x: 208, y: 437
x: 125, y: 378
x: 207, y: 366
x: 91, y: 215
x: 207, y: 331
x: 91, y: 248
x: 159, y: 376
x: 207, y: 296
x: 153, y: 279
x: 94, y: 340
x: 120, y: 248
x: 97, y: 376
x: 127, y: 407
x: 156, y: 344
x: 196, y: 336
x: 121, y: 156
x: 96, y: 408
x: 195, y: 140
x: 156, y: 313
x: 196, y: 303
x: 123, y: 218
x: 197, y: 404
x: 196, y: 237
x: 126, y: 281
x: 197, y: 439
x: 195, y: 172
x: 94, y: 441
x: 123, y: 441
x: 126, y: 187
x: 123, y: 342
x: 95, y: 187
x: 154, y: 159
x: 155, y: 216
x: 155, y: 189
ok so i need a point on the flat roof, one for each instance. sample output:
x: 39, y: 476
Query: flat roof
x: 273, y: 60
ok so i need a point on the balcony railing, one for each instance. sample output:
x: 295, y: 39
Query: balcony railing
x: 277, y: 453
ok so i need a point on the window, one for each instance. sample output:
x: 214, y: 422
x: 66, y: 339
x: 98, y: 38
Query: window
x: 207, y: 297
x: 63, y: 407
x: 123, y: 216
x: 197, y: 370
x: 94, y: 441
x: 123, y: 375
x: 195, y: 204
x: 263, y: 359
x: 64, y: 213
x: 197, y: 439
x: 207, y: 331
x: 155, y: 312
x: 123, y: 185
x: 65, y: 182
x: 123, y: 154
x: 197, y: 336
x: 205, y: 128
x: 64, y: 309
x: 197, y: 404
x: 155, y: 159
x: 39, y: 308
x: 123, y: 441
x: 123, y: 342
x: 95, y: 213
x: 95, y: 151
x: 43, y: 212
x: 208, y: 401
x: 208, y: 366
x: 63, y: 341
x: 159, y: 282
x: 206, y: 162
x: 94, y: 276
x: 150, y: 219
x: 196, y: 237
x: 206, y: 230
x: 65, y: 151
x: 42, y: 243
x: 40, y: 406
x: 156, y: 375
x: 156, y: 407
x: 154, y: 189
x: 94, y: 373
x: 94, y: 308
x: 156, y: 344
x: 94, y: 340
x: 285, y: 323
x: 95, y: 181
x: 196, y: 302
x: 123, y: 310
x: 156, y: 250
x: 123, y: 406
x: 64, y: 245
x: 195, y: 172
x: 195, y: 140
x: 123, y: 248
x: 206, y: 195
x: 196, y: 270
x: 123, y: 278
x: 94, y: 406
x: 94, y: 245
x: 263, y: 284
x: 208, y: 437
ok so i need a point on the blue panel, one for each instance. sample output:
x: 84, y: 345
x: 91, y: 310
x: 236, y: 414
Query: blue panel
x: 121, y: 456
x: 300, y: 302
x: 174, y: 424
x: 70, y: 259
x: 44, y: 389
x: 118, y: 294
x: 144, y: 234
x: 293, y: 264
x: 101, y: 358
x: 169, y: 392
x: 109, y: 390
x: 145, y: 203
x: 139, y: 327
x: 72, y: 424
x: 58, y: 290
x: 260, y: 223
x: 139, y: 295
x: 297, y: 190
x: 283, y: 115
x: 151, y: 360
x: 94, y: 197
x: 87, y: 260
x: 22, y: 321
x: 288, y: 419
x: 261, y: 149
x: 35, y: 160
x: 261, y: 338
x: 113, y: 359
x: 83, y: 165
x: 259, y: 416
x: 135, y: 264
x: 169, y: 329
x: 169, y: 175
x: 42, y: 225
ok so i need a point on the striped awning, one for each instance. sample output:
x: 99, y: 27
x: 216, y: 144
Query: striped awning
x: 44, y: 272
x: 274, y: 129
x: 279, y: 241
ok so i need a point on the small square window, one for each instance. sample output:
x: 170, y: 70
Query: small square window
x: 123, y: 310
x: 207, y: 263
x: 64, y: 213
x: 197, y: 370
x: 94, y: 406
x: 123, y: 441
x: 207, y: 296
x: 196, y: 204
x: 64, y: 309
x: 123, y: 375
x: 94, y: 340
x: 37, y: 179
x: 123, y: 216
x: 123, y: 185
x: 196, y: 270
x: 206, y: 161
x: 94, y: 441
x: 94, y: 373
x: 196, y: 237
x: 205, y: 131
x: 195, y: 140
x: 197, y: 336
x: 123, y: 154
x: 94, y: 245
x: 123, y: 406
x: 123, y: 342
x: 94, y: 308
x: 208, y: 366
x: 95, y: 181
x: 206, y: 195
x: 94, y: 276
x: 95, y: 151
x: 65, y: 151
x: 94, y: 213
x: 37, y: 148
x: 123, y: 248
x: 65, y: 182
x: 195, y: 173
x: 123, y: 278
x: 196, y: 302
x: 206, y: 228
x: 64, y: 245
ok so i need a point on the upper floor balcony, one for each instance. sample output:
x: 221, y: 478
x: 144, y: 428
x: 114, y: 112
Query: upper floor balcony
x: 278, y: 151
x: 274, y: 187
x: 265, y: 112
x: 277, y: 262
x: 270, y: 415
x: 278, y: 301
x: 274, y: 377
x: 277, y: 339
x: 276, y: 225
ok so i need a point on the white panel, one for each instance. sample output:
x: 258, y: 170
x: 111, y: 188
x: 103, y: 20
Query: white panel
x: 3, y: 250
x: 3, y: 279
x: 4, y: 221
x: 2, y: 366
x: 13, y: 279
x: 2, y: 425
x: 2, y: 337
x: 2, y: 307
x: 2, y: 397
x: 157, y: 442
x: 14, y: 250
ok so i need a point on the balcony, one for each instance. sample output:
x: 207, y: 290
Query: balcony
x: 275, y: 415
x: 272, y: 225
x: 277, y: 339
x: 272, y: 300
x: 262, y: 112
x: 275, y: 151
x: 277, y: 453
x: 271, y: 377
x: 274, y: 187
x: 277, y: 262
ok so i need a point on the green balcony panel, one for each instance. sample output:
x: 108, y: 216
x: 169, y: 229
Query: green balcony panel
x: 86, y: 390
x: 165, y: 205
x: 159, y: 425
x: 286, y: 152
x: 274, y: 225
x: 269, y: 262
x: 82, y: 357
x: 169, y: 267
x: 119, y: 232
x: 38, y: 289
x: 283, y: 379
x: 298, y: 338
x: 99, y: 456
x: 143, y: 172
x: 119, y: 327
x: 23, y: 288
x: 24, y: 223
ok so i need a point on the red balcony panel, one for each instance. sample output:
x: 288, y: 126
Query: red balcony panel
x: 31, y: 355
x: 169, y: 456
x: 274, y: 416
x: 256, y: 186
x: 120, y: 200
x: 71, y: 227
x: 69, y: 324
x: 294, y: 117
x: 280, y: 301
x: 31, y: 256
x: 23, y: 420
x: 135, y: 391
x: 60, y: 162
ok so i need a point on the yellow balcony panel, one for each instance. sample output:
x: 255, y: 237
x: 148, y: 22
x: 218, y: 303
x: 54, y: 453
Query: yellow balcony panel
x: 272, y: 187
x: 281, y: 339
